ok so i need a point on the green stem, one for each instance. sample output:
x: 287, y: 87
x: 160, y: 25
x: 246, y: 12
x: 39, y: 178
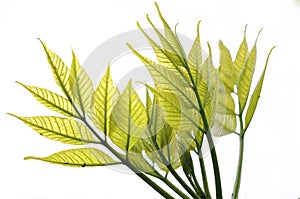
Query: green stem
x: 204, y: 176
x: 150, y: 182
x: 209, y: 138
x: 239, y: 170
x: 174, y: 188
x: 215, y: 165
x: 197, y: 187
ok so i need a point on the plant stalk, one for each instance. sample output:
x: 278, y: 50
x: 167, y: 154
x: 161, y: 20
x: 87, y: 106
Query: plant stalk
x: 239, y: 170
x: 204, y: 176
x: 150, y: 182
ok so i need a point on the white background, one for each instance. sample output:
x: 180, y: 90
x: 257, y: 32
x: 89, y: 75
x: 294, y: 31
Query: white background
x: 272, y: 148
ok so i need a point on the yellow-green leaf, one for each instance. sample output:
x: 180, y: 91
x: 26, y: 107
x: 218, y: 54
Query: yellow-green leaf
x: 195, y: 57
x: 178, y: 115
x: 226, y: 67
x: 59, y: 69
x: 104, y: 99
x: 64, y: 130
x: 51, y: 100
x: 240, y: 59
x: 128, y: 119
x: 174, y: 45
x: 81, y: 86
x: 168, y: 79
x: 256, y: 95
x: 245, y: 79
x: 82, y: 157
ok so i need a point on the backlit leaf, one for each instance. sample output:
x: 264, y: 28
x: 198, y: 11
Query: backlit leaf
x: 104, y: 98
x: 59, y: 69
x: 64, y: 130
x: 226, y: 67
x: 51, y: 100
x: 81, y: 86
x: 128, y: 119
x: 240, y: 59
x: 245, y: 79
x: 256, y: 95
x: 82, y: 157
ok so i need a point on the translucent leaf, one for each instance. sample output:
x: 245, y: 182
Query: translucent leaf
x: 141, y: 164
x: 167, y: 78
x: 240, y: 59
x: 178, y: 116
x: 81, y: 86
x: 82, y: 157
x: 104, y: 99
x: 207, y: 89
x: 226, y: 67
x: 128, y: 119
x: 245, y: 79
x: 171, y: 37
x: 163, y: 56
x: 51, y: 100
x: 255, y: 95
x: 64, y: 130
x: 59, y: 69
x: 195, y: 57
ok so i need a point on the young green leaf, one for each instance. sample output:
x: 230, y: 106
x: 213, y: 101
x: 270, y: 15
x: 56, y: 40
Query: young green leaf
x: 59, y: 69
x: 226, y: 67
x: 172, y: 38
x: 51, y: 100
x: 82, y: 157
x: 128, y: 119
x: 104, y: 98
x: 81, y: 86
x: 179, y: 117
x: 245, y: 79
x: 256, y: 94
x: 168, y: 79
x: 64, y: 130
x: 195, y: 57
x: 240, y: 59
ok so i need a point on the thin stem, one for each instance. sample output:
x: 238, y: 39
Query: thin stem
x: 215, y: 165
x: 174, y: 188
x: 198, y: 187
x: 171, y: 169
x: 210, y: 140
x: 203, y: 172
x: 150, y: 182
x: 239, y: 170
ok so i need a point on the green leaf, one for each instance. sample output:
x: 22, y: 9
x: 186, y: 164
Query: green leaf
x: 172, y: 39
x: 245, y: 79
x: 240, y: 59
x: 81, y: 86
x: 82, y: 157
x: 195, y: 57
x: 104, y: 99
x: 187, y: 163
x: 128, y: 119
x: 64, y: 130
x: 256, y: 95
x: 59, y: 69
x: 178, y: 115
x: 226, y: 67
x: 51, y: 100
x: 168, y: 79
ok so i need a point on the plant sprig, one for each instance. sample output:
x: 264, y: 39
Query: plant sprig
x: 190, y: 99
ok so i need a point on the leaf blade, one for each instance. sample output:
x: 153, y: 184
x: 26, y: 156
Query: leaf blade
x: 60, y: 129
x: 81, y: 157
